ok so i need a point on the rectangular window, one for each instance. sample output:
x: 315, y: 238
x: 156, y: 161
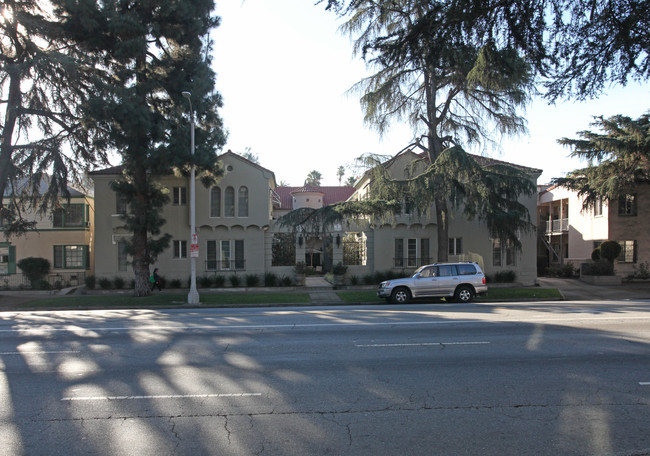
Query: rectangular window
x: 121, y: 204
x: 121, y: 256
x: 239, y: 254
x: 598, y: 207
x: 412, y: 253
x: 424, y: 251
x: 225, y: 255
x: 73, y: 215
x: 455, y: 246
x: 180, y: 196
x: 628, y: 252
x: 229, y: 202
x: 354, y: 249
x: 496, y: 252
x: 627, y: 205
x: 215, y: 202
x: 180, y: 249
x: 211, y: 256
x: 511, y: 254
x: 71, y: 257
x: 399, y: 253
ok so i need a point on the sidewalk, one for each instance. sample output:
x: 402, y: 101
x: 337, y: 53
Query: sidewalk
x: 574, y: 289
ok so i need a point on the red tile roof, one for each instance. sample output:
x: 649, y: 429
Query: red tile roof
x: 331, y: 195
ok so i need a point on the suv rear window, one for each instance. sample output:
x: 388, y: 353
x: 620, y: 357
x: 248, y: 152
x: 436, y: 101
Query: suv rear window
x: 466, y: 269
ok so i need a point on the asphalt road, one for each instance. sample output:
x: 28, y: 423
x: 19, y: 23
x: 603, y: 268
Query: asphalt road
x: 557, y: 378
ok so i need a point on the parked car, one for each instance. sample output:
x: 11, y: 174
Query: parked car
x: 460, y: 281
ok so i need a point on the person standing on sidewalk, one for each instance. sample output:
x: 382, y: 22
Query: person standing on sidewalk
x: 155, y: 280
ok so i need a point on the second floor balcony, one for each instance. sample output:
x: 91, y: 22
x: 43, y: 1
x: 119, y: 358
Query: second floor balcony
x: 555, y: 226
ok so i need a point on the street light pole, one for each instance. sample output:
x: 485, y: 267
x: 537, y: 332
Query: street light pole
x: 193, y: 296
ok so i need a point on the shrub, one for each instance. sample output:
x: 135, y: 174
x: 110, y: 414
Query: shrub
x: 105, y: 283
x: 354, y: 280
x: 300, y: 267
x: 43, y: 285
x: 252, y: 280
x: 270, y: 279
x: 175, y: 283
x: 505, y: 277
x: 565, y: 270
x: 643, y: 272
x: 35, y: 269
x: 285, y: 281
x: 118, y: 283
x: 205, y: 281
x: 219, y: 281
x: 234, y: 280
x: 368, y: 279
x: 90, y: 282
x: 610, y: 250
x: 339, y: 269
x: 598, y: 268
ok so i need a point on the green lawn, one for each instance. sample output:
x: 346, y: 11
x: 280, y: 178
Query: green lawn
x: 252, y: 299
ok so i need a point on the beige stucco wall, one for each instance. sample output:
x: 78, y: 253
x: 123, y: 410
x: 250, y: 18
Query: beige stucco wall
x: 41, y: 242
x: 250, y: 229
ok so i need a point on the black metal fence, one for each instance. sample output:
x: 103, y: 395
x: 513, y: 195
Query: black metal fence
x: 411, y: 262
x: 52, y: 281
x: 225, y: 265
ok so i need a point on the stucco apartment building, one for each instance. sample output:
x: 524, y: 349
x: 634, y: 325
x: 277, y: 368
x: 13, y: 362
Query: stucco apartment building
x: 64, y: 236
x: 238, y: 230
x: 569, y: 233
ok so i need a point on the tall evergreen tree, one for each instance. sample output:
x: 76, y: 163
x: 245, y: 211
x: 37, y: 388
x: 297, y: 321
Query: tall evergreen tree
x: 147, y: 53
x: 42, y: 84
x: 578, y: 47
x: 619, y: 158
x: 452, y: 85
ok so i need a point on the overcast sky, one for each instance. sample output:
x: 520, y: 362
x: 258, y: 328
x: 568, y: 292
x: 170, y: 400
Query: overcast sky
x: 284, y: 71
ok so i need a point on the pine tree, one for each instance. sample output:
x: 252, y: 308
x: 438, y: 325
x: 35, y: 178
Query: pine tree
x: 619, y: 159
x: 42, y: 83
x: 451, y: 86
x: 147, y: 53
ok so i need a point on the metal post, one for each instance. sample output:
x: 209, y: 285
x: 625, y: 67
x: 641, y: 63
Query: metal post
x: 193, y: 295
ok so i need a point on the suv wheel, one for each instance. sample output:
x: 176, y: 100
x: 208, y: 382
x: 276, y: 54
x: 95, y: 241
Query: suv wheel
x: 464, y: 294
x: 400, y: 295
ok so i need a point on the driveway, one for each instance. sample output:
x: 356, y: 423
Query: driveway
x: 574, y: 289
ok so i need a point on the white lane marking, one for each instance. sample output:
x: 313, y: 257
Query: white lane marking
x: 423, y: 344
x: 644, y: 383
x: 39, y: 352
x: 168, y: 396
x: 316, y: 325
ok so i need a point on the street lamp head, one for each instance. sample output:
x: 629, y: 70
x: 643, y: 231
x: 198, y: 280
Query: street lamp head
x: 186, y: 94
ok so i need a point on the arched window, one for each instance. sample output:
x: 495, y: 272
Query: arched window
x: 242, y: 203
x: 215, y: 202
x: 229, y: 203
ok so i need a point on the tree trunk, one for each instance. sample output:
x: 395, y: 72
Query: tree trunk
x: 435, y: 146
x: 13, y: 103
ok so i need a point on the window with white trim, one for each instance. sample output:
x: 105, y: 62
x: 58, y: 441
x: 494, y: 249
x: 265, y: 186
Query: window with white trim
x: 215, y: 202
x: 179, y: 196
x: 71, y: 257
x: 455, y: 246
x: 179, y: 249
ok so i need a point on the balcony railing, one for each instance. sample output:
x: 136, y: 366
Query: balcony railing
x: 556, y: 226
x: 225, y: 265
x: 411, y: 262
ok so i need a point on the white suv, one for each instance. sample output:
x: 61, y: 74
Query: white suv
x: 462, y: 281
